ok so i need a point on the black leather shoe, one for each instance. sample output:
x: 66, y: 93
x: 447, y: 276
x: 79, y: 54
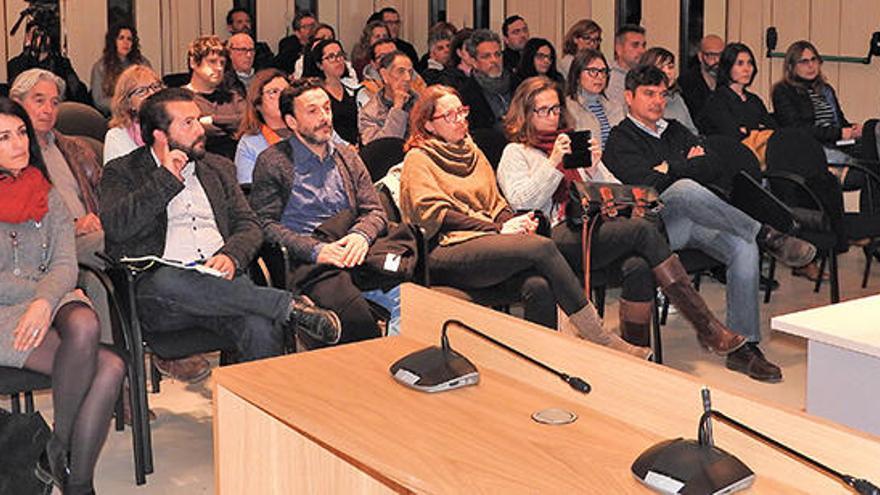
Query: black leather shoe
x: 789, y: 250
x: 317, y: 323
x: 53, y: 466
x: 749, y: 360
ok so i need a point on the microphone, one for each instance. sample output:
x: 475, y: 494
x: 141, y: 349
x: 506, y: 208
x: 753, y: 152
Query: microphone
x: 436, y: 369
x: 705, y: 433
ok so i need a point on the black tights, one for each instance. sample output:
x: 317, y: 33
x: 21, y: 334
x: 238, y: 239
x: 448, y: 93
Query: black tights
x: 85, y: 383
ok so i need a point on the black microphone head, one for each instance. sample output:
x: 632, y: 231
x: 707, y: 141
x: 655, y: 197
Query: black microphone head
x: 772, y: 38
x: 579, y: 384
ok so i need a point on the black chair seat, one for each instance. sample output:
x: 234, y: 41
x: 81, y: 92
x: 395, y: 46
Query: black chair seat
x: 696, y: 261
x: 15, y: 381
x: 183, y: 343
x: 382, y: 154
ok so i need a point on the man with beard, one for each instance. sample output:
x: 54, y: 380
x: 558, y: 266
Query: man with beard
x: 171, y: 199
x: 221, y: 108
x: 516, y: 35
x: 698, y: 82
x: 489, y: 89
x: 318, y: 201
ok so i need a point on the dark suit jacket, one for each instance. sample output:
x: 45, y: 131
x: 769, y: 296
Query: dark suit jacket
x: 793, y: 108
x: 694, y: 90
x: 135, y: 192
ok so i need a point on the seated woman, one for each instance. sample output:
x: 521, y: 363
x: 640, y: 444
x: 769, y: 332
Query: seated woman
x: 531, y: 177
x: 538, y: 59
x: 585, y: 86
x: 449, y: 189
x: 326, y: 61
x: 804, y: 99
x: 360, y: 55
x: 45, y: 325
x: 133, y: 87
x: 262, y: 124
x: 676, y: 108
x: 121, y: 50
x: 582, y: 35
x: 732, y: 110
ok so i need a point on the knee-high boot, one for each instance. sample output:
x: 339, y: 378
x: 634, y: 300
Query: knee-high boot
x: 635, y: 322
x: 589, y: 327
x: 711, y: 333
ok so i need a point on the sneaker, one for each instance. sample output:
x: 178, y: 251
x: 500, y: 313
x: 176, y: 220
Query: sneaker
x: 750, y: 361
x: 789, y: 250
x: 191, y: 369
x: 322, y: 325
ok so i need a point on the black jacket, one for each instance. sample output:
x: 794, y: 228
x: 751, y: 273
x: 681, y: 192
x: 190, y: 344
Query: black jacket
x: 631, y: 154
x: 694, y: 90
x: 481, y: 115
x: 135, y: 193
x: 794, y: 109
x: 725, y: 113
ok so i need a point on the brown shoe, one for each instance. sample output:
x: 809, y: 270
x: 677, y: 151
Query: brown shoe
x: 589, y: 327
x: 750, y: 361
x: 635, y: 322
x: 787, y: 249
x: 711, y: 333
x: 191, y: 369
x: 810, y: 272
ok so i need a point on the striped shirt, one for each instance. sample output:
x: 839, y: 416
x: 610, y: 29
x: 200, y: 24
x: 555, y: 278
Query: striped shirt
x: 822, y: 109
x: 594, y: 105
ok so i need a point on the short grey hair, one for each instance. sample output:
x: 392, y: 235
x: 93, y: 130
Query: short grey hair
x: 26, y: 81
x: 480, y: 36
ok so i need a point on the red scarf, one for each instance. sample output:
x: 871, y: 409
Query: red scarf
x: 25, y: 197
x: 545, y: 144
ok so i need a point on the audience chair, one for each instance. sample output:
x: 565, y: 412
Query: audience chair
x: 15, y: 382
x: 77, y: 119
x: 492, y: 143
x: 382, y: 154
x: 176, y: 80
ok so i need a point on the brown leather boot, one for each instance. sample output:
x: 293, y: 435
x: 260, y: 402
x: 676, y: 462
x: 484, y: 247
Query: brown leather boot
x: 635, y: 322
x: 711, y: 333
x: 589, y: 327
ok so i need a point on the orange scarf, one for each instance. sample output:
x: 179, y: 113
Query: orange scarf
x: 271, y: 136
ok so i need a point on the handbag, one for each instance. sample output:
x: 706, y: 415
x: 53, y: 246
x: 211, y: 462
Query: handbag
x: 590, y: 203
x: 23, y: 439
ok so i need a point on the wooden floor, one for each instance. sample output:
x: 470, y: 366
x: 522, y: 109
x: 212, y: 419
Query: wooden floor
x: 182, y: 440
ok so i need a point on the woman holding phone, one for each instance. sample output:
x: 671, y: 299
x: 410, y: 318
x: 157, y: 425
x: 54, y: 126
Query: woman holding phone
x: 532, y: 177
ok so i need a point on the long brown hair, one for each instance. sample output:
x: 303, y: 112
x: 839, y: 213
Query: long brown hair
x: 122, y: 114
x: 792, y: 56
x: 110, y: 59
x: 517, y: 124
x: 580, y: 28
x: 253, y: 117
x: 423, y: 112
x: 581, y: 60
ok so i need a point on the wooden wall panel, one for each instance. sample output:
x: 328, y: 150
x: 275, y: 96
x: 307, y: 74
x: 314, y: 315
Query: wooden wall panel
x: 273, y: 21
x: 715, y: 17
x: 84, y: 24
x: 825, y: 34
x: 857, y: 87
x: 661, y: 19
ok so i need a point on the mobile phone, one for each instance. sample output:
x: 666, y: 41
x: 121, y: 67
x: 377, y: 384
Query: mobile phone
x: 580, y: 156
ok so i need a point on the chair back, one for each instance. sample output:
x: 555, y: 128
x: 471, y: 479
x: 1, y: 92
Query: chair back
x: 77, y: 119
x: 732, y: 157
x: 388, y: 204
x: 491, y: 142
x: 759, y: 203
x: 176, y: 80
x: 382, y: 154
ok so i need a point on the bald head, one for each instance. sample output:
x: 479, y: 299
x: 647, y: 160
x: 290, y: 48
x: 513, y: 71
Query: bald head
x: 711, y: 47
x: 241, y: 52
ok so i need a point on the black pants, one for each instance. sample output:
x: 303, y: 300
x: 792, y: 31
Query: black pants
x: 637, y: 244
x: 490, y: 260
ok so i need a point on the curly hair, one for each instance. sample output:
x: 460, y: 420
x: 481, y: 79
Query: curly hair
x: 113, y: 67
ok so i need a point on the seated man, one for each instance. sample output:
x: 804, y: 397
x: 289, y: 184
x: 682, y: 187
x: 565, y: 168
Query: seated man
x: 75, y: 171
x: 629, y: 45
x: 516, y: 35
x: 240, y: 69
x: 373, y: 82
x: 489, y: 89
x: 646, y: 149
x: 171, y: 199
x: 291, y: 47
x: 238, y: 20
x: 387, y: 112
x: 222, y: 109
x: 304, y: 186
x: 439, y: 52
x: 698, y: 82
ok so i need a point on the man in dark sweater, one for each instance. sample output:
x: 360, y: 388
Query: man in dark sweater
x: 490, y: 88
x: 646, y: 149
x: 698, y: 82
x: 172, y: 200
x: 391, y: 17
x: 516, y: 35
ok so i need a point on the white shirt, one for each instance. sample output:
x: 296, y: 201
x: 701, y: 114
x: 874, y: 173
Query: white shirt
x: 117, y: 143
x: 192, y: 233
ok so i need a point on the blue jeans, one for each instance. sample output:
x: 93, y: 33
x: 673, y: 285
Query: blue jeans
x: 391, y: 301
x: 696, y: 218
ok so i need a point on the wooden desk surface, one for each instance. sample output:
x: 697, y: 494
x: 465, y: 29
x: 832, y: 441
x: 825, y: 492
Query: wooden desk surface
x: 481, y: 439
x: 853, y: 325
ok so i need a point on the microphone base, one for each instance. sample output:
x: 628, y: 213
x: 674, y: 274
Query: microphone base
x: 434, y: 369
x: 685, y: 467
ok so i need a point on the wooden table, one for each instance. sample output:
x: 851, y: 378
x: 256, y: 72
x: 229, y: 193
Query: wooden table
x: 843, y: 360
x: 334, y: 421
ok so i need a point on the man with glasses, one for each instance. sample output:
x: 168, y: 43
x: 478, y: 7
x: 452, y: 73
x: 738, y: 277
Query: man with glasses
x: 391, y: 18
x: 516, y: 34
x: 490, y: 88
x: 646, y: 149
x: 240, y: 69
x: 291, y: 47
x: 629, y: 45
x: 386, y: 114
x: 221, y: 108
x: 317, y: 199
x: 238, y: 20
x: 698, y: 82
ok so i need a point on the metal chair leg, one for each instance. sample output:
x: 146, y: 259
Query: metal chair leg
x: 818, y: 285
x: 14, y: 404
x: 599, y: 301
x: 869, y: 258
x: 771, y: 275
x: 835, y: 283
x: 155, y: 376
x: 28, y: 402
x: 656, y: 341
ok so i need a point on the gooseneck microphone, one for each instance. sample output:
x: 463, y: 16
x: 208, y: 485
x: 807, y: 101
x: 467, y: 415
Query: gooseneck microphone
x: 574, y: 382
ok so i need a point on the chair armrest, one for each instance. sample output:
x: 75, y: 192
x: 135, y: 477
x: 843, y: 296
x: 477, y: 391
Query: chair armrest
x: 873, y: 178
x: 798, y: 181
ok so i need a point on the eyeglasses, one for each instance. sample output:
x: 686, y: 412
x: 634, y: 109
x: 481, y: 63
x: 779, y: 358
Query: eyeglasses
x: 808, y: 61
x: 543, y: 56
x: 590, y: 39
x: 272, y: 92
x: 146, y: 90
x: 489, y: 55
x: 711, y: 54
x: 453, y: 116
x: 334, y: 57
x: 596, y: 72
x: 547, y: 111
x: 248, y: 51
x: 394, y: 23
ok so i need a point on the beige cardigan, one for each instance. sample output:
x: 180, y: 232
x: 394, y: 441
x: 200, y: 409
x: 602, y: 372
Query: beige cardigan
x: 584, y: 120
